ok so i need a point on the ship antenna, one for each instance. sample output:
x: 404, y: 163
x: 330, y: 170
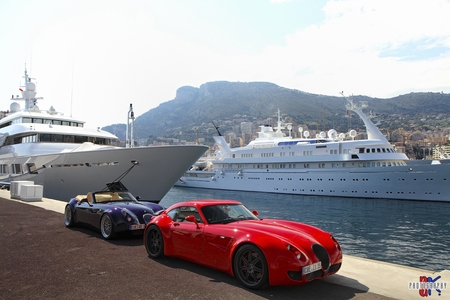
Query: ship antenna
x: 217, y: 128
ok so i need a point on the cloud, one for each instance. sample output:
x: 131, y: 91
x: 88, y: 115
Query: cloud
x: 93, y: 59
x: 359, y: 48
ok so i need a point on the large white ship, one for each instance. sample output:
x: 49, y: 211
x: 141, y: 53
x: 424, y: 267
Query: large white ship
x: 58, y: 152
x: 329, y: 164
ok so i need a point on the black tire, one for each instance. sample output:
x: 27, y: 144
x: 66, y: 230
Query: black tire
x: 68, y: 217
x: 250, y: 267
x: 107, y: 227
x: 154, y: 242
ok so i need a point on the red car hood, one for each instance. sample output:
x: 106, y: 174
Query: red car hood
x: 294, y: 232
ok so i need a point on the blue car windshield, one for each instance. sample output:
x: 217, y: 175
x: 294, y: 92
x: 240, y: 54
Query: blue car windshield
x: 225, y: 213
x: 101, y: 197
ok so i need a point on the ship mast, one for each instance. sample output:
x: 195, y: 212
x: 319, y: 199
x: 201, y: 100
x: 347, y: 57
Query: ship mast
x: 372, y: 130
x: 130, y: 129
x: 29, y: 94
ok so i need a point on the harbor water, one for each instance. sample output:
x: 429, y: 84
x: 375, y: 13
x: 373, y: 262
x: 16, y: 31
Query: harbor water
x: 410, y: 233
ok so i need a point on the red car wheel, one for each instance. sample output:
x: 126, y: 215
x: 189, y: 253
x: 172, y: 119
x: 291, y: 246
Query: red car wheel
x: 154, y: 243
x: 250, y: 267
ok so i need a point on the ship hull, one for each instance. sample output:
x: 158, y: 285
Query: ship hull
x: 64, y: 175
x: 416, y: 181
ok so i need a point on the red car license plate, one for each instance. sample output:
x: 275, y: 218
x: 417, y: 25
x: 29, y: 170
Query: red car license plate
x: 311, y: 268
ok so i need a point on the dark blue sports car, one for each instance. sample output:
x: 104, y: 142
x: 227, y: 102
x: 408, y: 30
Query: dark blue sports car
x: 112, y: 211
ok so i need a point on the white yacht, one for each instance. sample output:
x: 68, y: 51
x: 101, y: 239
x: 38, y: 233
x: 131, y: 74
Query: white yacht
x: 329, y: 164
x: 67, y: 159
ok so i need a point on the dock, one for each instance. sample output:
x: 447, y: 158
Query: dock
x: 41, y: 259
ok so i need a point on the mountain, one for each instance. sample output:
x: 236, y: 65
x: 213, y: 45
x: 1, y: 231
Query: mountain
x: 193, y: 109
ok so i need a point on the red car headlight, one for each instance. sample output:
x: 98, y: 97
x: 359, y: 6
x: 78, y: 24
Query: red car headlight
x: 297, y: 253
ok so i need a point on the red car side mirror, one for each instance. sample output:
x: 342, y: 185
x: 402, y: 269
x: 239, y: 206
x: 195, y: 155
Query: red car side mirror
x: 191, y: 218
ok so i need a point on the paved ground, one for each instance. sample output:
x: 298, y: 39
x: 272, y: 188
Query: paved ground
x: 41, y: 259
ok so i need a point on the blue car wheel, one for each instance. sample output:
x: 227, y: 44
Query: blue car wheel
x: 68, y: 217
x: 107, y: 227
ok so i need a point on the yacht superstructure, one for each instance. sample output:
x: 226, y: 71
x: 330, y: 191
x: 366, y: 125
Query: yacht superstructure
x: 58, y: 152
x: 329, y: 164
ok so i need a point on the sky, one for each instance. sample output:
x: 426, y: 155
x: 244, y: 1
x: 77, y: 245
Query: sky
x: 92, y: 58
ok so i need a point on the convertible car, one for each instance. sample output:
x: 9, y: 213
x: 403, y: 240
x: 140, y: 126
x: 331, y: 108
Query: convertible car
x: 225, y: 235
x: 110, y: 211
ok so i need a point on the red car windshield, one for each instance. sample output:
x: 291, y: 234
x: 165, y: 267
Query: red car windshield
x: 226, y: 213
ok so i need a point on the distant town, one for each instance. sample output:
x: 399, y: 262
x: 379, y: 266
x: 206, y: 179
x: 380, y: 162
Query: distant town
x: 420, y: 137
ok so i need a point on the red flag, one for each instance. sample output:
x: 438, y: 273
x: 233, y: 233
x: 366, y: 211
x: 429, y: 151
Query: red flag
x: 20, y: 90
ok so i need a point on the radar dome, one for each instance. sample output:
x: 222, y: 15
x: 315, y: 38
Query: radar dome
x: 306, y: 134
x: 31, y: 86
x: 14, y: 107
x: 352, y: 133
x: 332, y: 134
x: 322, y: 134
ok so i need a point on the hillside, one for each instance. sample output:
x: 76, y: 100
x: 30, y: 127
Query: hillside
x: 193, y: 109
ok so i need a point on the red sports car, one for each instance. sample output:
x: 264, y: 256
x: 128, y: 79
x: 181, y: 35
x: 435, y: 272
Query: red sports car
x: 225, y: 235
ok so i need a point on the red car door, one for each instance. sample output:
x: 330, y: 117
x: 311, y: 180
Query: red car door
x: 187, y: 237
x: 219, y: 239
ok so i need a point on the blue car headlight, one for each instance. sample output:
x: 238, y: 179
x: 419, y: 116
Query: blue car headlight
x: 129, y: 216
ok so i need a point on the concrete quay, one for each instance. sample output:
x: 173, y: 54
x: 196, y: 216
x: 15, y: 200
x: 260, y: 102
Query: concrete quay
x: 40, y: 258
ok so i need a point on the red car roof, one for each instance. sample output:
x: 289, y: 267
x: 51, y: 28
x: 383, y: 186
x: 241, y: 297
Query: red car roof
x: 206, y: 202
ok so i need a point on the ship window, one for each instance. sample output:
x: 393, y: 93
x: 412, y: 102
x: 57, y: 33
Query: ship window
x: 384, y: 150
x: 65, y: 123
x: 38, y: 120
x: 373, y: 150
x: 26, y: 120
x: 16, y: 169
x: 68, y: 138
x: 44, y: 137
x: 3, y: 169
x: 57, y: 138
x: 378, y: 150
x: 6, y: 124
